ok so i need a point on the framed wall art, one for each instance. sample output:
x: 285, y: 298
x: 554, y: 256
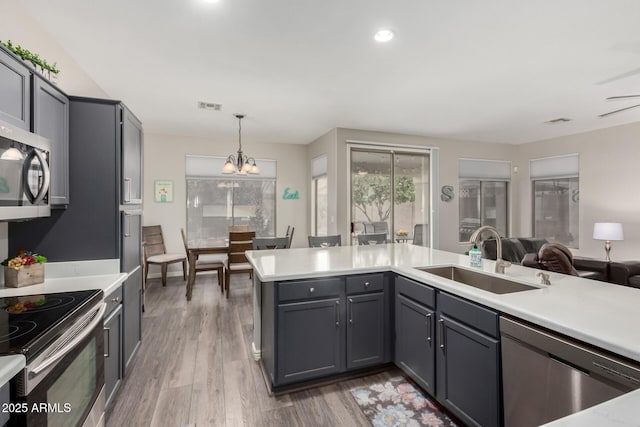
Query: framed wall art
x: 163, y: 191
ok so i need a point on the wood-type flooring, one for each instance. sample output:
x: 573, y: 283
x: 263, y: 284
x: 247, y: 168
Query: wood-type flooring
x: 195, y: 368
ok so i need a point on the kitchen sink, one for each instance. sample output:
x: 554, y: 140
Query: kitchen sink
x: 478, y: 280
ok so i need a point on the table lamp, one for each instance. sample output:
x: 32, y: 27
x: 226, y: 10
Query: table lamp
x: 607, y: 231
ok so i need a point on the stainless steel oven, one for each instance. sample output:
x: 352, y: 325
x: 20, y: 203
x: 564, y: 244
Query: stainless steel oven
x: 63, y: 384
x: 24, y: 174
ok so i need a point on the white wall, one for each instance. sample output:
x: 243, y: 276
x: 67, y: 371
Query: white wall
x: 164, y: 158
x: 19, y: 27
x: 609, y: 162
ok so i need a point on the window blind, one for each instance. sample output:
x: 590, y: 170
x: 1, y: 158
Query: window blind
x: 567, y: 166
x: 319, y: 166
x: 487, y: 170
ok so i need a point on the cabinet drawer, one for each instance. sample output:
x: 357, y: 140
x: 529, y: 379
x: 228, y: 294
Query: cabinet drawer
x: 475, y: 316
x: 113, y: 300
x: 365, y: 283
x: 310, y: 289
x: 416, y: 291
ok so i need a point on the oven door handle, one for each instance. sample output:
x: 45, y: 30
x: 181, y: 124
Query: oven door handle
x: 63, y: 351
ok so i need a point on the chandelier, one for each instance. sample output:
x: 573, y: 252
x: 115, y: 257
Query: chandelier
x: 241, y: 164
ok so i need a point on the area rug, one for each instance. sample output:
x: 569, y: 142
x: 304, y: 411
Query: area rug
x: 398, y: 402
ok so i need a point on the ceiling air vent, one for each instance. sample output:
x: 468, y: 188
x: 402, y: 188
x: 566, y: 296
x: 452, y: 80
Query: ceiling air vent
x: 558, y: 120
x: 209, y: 106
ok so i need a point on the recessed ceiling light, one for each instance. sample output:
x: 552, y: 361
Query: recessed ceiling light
x: 383, y: 36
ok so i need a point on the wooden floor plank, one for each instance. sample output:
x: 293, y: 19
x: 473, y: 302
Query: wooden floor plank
x: 172, y: 408
x: 195, y: 368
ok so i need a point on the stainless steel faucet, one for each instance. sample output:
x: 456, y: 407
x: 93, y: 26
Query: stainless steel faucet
x: 475, y: 239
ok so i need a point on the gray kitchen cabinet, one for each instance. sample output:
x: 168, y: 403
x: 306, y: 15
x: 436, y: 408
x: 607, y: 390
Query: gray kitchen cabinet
x: 468, y: 361
x: 113, y: 352
x: 131, y: 239
x: 367, y: 320
x: 415, y: 320
x: 131, y: 317
x: 91, y: 228
x: 51, y: 120
x: 451, y: 348
x: 131, y: 179
x: 15, y: 91
x: 310, y: 337
x: 317, y: 328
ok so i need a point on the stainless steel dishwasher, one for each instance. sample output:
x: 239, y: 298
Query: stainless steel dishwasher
x: 547, y: 376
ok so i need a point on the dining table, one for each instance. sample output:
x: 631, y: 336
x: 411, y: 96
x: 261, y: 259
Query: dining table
x: 198, y: 247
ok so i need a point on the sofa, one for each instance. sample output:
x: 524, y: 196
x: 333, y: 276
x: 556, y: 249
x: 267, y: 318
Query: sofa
x: 625, y: 273
x: 525, y: 250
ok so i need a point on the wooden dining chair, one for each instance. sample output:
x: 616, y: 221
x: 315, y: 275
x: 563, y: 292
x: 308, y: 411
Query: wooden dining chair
x: 207, y: 262
x: 261, y: 243
x: 236, y: 262
x: 325, y: 241
x: 372, y: 238
x: 155, y: 253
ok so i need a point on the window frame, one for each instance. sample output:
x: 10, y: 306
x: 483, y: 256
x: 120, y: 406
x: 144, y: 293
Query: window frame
x: 481, y: 204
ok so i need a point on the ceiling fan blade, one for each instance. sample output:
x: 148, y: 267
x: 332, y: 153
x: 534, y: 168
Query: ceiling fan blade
x: 623, y: 97
x: 620, y: 76
x: 619, y: 111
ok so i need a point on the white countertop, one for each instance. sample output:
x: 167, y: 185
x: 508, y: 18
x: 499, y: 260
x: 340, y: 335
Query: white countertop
x: 10, y: 366
x: 73, y: 276
x: 599, y: 313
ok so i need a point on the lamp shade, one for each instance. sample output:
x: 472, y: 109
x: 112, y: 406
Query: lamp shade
x: 608, y: 231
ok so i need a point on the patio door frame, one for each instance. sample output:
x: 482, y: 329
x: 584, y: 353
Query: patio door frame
x: 431, y: 152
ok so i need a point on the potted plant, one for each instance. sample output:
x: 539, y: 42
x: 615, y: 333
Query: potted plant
x: 24, y: 269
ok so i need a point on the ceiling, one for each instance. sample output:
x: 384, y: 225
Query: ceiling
x: 492, y: 70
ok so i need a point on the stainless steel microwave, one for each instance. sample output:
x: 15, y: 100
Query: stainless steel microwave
x: 24, y: 174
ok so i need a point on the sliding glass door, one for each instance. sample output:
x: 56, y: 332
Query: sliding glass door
x: 390, y: 194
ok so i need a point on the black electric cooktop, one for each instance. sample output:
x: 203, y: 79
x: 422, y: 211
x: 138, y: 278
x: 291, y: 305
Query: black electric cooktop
x: 28, y: 323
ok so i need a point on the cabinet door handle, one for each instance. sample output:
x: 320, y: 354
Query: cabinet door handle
x: 128, y: 232
x: 441, y: 334
x: 116, y: 299
x: 312, y: 290
x: 429, y: 327
x: 108, y: 343
x: 128, y: 182
x: 366, y: 284
x: 337, y: 313
x: 350, y: 310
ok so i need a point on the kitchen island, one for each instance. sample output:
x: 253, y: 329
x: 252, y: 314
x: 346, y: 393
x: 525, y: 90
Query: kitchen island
x: 600, y: 314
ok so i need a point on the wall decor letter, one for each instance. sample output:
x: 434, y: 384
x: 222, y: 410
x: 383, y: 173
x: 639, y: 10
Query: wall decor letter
x: 290, y: 195
x: 446, y: 193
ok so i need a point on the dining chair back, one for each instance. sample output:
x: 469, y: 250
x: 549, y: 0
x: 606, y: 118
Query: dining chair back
x: 261, y: 243
x: 239, y: 242
x: 325, y: 241
x: 206, y: 262
x: 372, y: 238
x: 420, y: 234
x: 155, y: 253
x: 290, y: 230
